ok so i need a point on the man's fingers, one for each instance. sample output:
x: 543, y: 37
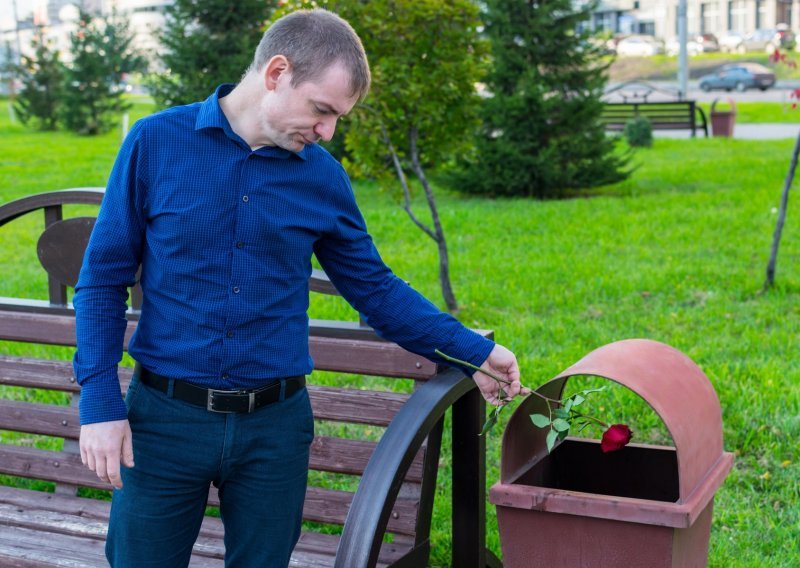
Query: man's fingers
x: 101, y: 468
x: 104, y: 445
x: 127, y: 449
x: 112, y: 468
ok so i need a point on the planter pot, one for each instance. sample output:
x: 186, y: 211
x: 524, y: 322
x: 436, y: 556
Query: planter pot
x: 723, y: 121
x: 642, y: 506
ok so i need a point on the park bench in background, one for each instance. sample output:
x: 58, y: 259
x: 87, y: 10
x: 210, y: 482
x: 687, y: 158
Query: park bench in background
x: 660, y: 107
x: 47, y: 518
x: 678, y: 115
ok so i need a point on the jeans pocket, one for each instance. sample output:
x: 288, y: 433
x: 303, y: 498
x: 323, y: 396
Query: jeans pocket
x: 308, y: 424
x: 133, y: 389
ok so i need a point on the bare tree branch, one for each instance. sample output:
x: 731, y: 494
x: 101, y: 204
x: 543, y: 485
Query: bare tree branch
x: 398, y: 167
x: 444, y: 259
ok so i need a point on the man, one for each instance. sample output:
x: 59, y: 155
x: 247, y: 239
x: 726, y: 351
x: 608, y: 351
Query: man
x: 223, y: 204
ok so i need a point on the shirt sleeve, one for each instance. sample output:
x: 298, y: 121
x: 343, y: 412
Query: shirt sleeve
x: 391, y: 307
x: 109, y: 268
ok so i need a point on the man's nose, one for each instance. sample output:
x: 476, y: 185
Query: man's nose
x: 325, y: 128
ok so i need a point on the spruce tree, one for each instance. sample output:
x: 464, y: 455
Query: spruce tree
x: 541, y: 134
x: 205, y: 43
x: 41, y: 75
x: 102, y: 54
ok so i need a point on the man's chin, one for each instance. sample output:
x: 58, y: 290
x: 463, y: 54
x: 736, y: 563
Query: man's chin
x: 299, y: 143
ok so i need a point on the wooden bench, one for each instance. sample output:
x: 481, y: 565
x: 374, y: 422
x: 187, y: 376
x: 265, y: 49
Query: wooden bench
x: 383, y: 445
x: 663, y: 115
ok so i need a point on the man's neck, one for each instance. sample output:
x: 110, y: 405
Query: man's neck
x: 241, y: 108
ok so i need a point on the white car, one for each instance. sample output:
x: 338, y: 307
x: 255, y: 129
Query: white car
x: 692, y: 47
x: 729, y: 42
x: 639, y: 46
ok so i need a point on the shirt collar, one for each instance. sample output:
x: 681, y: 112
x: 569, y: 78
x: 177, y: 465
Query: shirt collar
x: 211, y: 116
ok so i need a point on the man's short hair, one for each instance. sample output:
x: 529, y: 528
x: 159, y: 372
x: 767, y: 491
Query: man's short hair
x: 313, y: 41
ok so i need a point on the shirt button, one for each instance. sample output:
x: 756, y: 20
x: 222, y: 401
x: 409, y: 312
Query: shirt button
x: 245, y: 198
x: 239, y: 245
x: 229, y: 334
x: 225, y: 377
x: 235, y: 289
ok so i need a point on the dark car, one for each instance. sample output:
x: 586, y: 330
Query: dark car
x: 739, y: 76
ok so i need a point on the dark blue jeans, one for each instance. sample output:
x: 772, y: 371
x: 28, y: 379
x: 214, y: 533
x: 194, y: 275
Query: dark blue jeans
x: 259, y: 462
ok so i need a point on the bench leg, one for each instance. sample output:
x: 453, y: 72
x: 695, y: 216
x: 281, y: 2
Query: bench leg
x: 492, y: 561
x: 469, y: 482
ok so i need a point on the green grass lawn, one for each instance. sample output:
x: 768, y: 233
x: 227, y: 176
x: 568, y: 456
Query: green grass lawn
x: 748, y: 112
x: 676, y: 254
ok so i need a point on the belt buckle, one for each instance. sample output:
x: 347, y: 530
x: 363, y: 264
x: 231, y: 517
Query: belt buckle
x: 251, y: 400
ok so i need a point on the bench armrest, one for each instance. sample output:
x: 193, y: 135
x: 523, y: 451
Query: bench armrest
x: 369, y: 513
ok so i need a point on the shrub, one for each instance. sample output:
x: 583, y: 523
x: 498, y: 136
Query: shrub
x: 638, y: 131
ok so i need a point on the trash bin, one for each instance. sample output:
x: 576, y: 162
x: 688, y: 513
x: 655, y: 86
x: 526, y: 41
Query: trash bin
x: 643, y: 506
x: 723, y: 121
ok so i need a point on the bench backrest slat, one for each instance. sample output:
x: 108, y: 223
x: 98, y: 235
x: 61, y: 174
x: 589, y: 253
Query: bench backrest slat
x: 329, y: 403
x: 329, y: 454
x: 329, y: 353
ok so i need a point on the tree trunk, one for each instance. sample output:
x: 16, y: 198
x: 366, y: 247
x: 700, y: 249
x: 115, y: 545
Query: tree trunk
x: 437, y: 233
x: 776, y: 239
x: 441, y: 243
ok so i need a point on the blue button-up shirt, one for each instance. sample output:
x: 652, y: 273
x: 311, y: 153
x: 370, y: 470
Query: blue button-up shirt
x: 224, y: 235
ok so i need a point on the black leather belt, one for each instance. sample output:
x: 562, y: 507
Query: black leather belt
x: 242, y: 401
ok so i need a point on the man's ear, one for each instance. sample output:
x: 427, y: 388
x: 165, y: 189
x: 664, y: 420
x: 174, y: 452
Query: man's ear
x: 275, y: 68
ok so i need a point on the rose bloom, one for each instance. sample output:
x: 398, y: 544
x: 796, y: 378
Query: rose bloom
x: 616, y: 437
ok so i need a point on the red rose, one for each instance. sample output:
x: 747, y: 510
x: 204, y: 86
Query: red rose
x: 617, y: 436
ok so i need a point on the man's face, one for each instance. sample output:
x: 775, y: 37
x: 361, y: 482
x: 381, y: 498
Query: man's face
x: 292, y: 117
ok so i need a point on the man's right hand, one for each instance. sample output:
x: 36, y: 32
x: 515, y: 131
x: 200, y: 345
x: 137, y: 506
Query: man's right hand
x: 103, y: 446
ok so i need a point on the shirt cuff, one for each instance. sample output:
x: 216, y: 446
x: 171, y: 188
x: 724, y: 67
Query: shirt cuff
x: 102, y: 401
x: 471, y: 347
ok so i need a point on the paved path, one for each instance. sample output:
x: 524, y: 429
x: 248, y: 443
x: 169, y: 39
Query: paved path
x: 742, y: 132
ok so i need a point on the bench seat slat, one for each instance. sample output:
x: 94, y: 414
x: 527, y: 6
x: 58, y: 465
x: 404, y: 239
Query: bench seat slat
x: 321, y: 505
x: 331, y: 506
x: 26, y: 548
x: 87, y: 518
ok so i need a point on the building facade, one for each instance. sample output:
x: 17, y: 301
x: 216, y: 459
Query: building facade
x: 660, y: 17
x: 58, y: 18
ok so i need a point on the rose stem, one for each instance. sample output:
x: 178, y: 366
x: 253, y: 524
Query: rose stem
x: 490, y: 375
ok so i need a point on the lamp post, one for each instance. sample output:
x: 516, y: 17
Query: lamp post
x: 683, y: 54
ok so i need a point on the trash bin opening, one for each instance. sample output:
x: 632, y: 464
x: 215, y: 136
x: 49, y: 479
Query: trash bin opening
x: 638, y: 472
